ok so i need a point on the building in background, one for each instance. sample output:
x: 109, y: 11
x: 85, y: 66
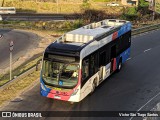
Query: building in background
x: 157, y: 6
x: 154, y: 5
x: 130, y: 2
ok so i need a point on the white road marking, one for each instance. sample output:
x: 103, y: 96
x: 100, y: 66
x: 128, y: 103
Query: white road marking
x: 145, y: 104
x: 128, y: 59
x: 147, y: 49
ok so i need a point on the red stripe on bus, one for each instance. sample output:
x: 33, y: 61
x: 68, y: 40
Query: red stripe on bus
x: 115, y: 35
x: 114, y: 64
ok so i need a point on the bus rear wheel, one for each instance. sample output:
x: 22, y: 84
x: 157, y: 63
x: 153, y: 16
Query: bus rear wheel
x: 119, y: 66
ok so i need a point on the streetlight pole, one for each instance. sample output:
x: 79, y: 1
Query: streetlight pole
x: 11, y: 49
x: 10, y: 65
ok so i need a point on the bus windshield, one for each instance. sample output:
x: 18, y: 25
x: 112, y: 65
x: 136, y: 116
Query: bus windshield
x: 60, y: 74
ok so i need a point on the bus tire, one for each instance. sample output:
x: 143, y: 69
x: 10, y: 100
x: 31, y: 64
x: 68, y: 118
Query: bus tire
x: 119, y: 67
x: 93, y: 86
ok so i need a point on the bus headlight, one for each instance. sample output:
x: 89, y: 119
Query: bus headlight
x: 75, y: 92
x: 42, y: 86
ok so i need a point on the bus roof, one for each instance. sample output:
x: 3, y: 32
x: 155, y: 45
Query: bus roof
x: 74, y: 41
x: 87, y: 33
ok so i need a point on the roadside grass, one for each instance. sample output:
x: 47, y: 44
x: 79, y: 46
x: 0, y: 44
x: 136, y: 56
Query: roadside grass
x: 19, y: 70
x: 62, y: 7
x: 102, y: 0
x: 58, y: 27
x: 16, y: 87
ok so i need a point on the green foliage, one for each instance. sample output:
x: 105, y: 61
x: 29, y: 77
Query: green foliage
x: 102, y: 0
x: 93, y: 15
x: 130, y: 14
x: 128, y: 17
x: 77, y: 24
x: 143, y: 3
x: 132, y: 11
x: 85, y: 5
x: 143, y: 7
x: 73, y: 25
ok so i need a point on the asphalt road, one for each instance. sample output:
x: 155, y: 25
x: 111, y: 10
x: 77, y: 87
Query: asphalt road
x: 23, y: 41
x: 37, y: 17
x: 133, y: 89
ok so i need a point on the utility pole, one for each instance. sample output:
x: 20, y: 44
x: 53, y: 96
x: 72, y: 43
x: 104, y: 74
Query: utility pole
x: 153, y: 15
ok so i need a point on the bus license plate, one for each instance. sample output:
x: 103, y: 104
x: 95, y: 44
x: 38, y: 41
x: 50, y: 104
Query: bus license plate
x: 57, y: 97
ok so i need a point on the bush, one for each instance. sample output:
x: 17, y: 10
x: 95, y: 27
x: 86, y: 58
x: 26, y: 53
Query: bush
x: 73, y: 25
x: 130, y: 14
x: 143, y: 3
x: 92, y: 15
x: 102, y: 0
x: 128, y: 17
x: 77, y: 24
x: 143, y: 7
x: 86, y: 5
x: 132, y: 11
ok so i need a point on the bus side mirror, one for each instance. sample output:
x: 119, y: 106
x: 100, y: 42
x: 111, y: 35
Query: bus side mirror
x: 38, y: 64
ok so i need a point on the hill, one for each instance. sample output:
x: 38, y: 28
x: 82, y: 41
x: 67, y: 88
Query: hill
x: 63, y: 6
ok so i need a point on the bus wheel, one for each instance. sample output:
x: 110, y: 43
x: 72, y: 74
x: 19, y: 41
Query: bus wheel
x: 93, y: 86
x: 119, y: 66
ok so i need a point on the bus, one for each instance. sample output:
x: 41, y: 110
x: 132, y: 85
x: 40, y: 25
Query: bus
x: 77, y: 62
x: 7, y: 10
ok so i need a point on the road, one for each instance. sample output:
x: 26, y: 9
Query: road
x: 130, y: 90
x: 37, y: 17
x: 23, y: 41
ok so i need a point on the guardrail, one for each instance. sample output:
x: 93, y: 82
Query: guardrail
x: 34, y: 68
x: 19, y: 77
x: 10, y: 26
x: 29, y: 27
x: 145, y: 29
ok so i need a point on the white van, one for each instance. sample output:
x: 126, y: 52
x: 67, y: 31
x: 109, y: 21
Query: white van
x: 7, y: 10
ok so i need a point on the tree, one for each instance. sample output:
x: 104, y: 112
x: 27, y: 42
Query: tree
x: 143, y: 7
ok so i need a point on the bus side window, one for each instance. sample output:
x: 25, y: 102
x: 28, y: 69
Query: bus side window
x: 125, y: 42
x: 85, y: 69
x: 93, y: 64
x: 118, y: 46
x: 102, y: 58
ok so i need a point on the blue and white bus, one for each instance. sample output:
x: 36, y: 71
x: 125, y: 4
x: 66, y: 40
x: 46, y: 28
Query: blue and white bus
x: 77, y: 62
